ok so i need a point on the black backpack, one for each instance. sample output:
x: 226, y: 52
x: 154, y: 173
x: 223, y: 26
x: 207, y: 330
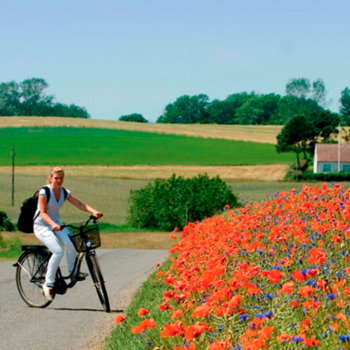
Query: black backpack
x: 26, y: 217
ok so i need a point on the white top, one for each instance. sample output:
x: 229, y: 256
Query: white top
x: 53, y: 206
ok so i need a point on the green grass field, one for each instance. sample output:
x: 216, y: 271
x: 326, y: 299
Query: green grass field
x: 82, y: 146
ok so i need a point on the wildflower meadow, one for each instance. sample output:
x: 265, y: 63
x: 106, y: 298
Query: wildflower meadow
x: 269, y: 275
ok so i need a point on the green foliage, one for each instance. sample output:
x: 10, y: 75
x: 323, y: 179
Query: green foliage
x: 5, y: 222
x: 310, y: 176
x: 302, y: 132
x: 29, y: 98
x: 186, y: 110
x: 81, y: 146
x: 10, y: 248
x: 302, y: 88
x: 135, y: 117
x: 260, y: 109
x: 172, y: 203
x: 224, y: 112
x: 345, y: 106
x: 303, y: 98
x: 71, y: 111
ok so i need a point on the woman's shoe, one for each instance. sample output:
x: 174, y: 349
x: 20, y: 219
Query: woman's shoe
x: 48, y: 292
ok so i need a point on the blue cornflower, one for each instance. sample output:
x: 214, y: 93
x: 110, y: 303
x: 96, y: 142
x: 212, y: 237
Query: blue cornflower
x: 297, y: 339
x: 344, y: 337
x: 332, y: 296
x: 243, y: 317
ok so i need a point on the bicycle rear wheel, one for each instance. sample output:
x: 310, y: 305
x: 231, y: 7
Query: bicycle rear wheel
x: 98, y: 280
x: 30, y: 277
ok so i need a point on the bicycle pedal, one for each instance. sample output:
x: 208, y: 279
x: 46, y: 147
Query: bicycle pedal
x: 82, y: 276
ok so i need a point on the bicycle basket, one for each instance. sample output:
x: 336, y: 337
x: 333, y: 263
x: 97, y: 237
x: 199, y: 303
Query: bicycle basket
x: 87, y: 238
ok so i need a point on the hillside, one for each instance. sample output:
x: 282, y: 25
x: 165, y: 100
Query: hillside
x: 254, y: 133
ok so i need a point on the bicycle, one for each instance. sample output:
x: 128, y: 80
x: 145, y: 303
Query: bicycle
x: 31, y: 267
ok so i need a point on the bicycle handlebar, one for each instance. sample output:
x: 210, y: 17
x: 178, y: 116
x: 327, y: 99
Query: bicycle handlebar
x: 91, y: 218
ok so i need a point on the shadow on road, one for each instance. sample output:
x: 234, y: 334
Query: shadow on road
x: 81, y: 309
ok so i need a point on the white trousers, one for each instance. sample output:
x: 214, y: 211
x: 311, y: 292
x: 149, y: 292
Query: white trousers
x: 53, y: 241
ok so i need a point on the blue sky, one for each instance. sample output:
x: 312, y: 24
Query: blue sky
x: 118, y: 57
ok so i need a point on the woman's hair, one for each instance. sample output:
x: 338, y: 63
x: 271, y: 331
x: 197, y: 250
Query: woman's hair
x: 55, y: 170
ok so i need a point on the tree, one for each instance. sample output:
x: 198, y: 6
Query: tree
x: 303, y: 89
x: 135, y: 117
x: 9, y: 99
x: 293, y: 137
x: 33, y: 99
x: 259, y: 109
x: 224, y: 112
x: 298, y: 87
x: 301, y: 133
x: 319, y: 92
x: 186, y: 110
x: 345, y: 106
x: 29, y: 98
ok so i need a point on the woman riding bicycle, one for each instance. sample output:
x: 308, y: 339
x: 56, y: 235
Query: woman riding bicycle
x: 47, y: 226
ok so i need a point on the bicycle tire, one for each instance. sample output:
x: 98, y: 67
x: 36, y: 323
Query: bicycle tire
x: 98, y: 280
x: 30, y: 277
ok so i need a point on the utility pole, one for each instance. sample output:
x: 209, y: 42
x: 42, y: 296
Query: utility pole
x: 339, y: 148
x: 13, y: 176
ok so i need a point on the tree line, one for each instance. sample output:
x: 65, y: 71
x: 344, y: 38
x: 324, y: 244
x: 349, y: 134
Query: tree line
x: 302, y: 110
x: 302, y: 97
x: 29, y: 98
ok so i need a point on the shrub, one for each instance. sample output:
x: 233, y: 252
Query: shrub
x: 310, y: 176
x: 5, y: 222
x: 172, y: 203
x: 135, y: 117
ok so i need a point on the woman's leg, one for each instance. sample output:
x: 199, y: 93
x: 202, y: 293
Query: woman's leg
x: 71, y: 251
x: 47, y: 237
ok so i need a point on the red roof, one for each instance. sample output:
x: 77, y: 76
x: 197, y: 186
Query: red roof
x: 328, y: 152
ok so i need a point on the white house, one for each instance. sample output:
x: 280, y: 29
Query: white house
x: 332, y: 157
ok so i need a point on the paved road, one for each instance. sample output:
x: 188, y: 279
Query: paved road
x: 74, y: 321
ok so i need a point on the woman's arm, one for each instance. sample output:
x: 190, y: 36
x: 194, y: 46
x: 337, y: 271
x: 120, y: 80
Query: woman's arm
x: 44, y: 215
x: 82, y: 206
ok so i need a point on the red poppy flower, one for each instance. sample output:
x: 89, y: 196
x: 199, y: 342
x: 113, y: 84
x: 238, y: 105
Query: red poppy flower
x: 149, y: 323
x: 202, y: 311
x: 286, y: 288
x: 273, y: 276
x: 317, y: 256
x: 171, y: 330
x: 235, y: 301
x: 306, y: 291
x: 176, y: 314
x: 142, y: 312
x: 120, y: 318
x: 195, y: 331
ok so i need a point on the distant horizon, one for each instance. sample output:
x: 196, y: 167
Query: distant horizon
x: 119, y: 57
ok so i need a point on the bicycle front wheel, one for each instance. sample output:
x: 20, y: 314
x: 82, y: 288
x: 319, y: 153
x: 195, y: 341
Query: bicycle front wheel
x: 30, y: 277
x: 97, y: 278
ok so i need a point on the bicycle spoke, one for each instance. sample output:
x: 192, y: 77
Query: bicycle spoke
x: 30, y: 276
x: 98, y: 281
